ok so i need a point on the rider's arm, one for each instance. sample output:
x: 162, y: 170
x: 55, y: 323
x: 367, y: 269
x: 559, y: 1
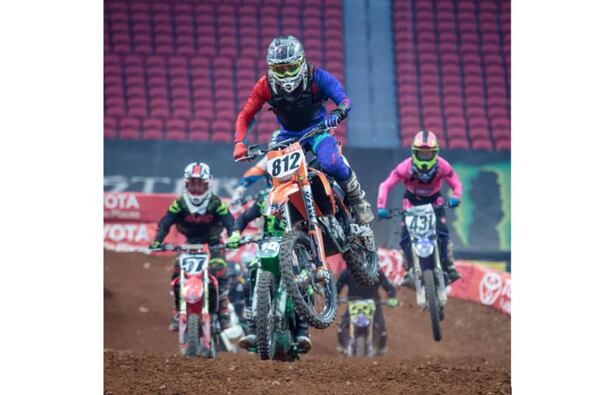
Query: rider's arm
x: 343, y: 279
x: 225, y: 216
x: 165, y: 223
x: 451, y: 178
x: 246, y: 217
x: 386, y: 186
x: 245, y: 120
x: 333, y: 89
x: 387, y: 286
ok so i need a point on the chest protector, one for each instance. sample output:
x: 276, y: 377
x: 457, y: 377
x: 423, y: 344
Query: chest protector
x: 297, y: 109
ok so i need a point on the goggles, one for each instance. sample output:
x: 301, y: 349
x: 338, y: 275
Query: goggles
x: 286, y: 70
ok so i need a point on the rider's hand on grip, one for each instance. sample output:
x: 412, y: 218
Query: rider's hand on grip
x: 383, y: 213
x: 454, y: 202
x: 392, y: 302
x: 156, y: 245
x: 234, y: 240
x: 332, y: 121
x: 239, y: 150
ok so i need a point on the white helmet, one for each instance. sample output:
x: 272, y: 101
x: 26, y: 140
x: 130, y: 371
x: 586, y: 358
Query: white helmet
x: 197, y: 183
x: 287, y: 66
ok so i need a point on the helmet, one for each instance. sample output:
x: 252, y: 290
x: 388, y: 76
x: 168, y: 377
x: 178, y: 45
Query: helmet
x: 197, y: 182
x: 425, y: 150
x: 287, y: 66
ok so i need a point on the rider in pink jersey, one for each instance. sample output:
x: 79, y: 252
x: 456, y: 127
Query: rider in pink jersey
x: 422, y: 175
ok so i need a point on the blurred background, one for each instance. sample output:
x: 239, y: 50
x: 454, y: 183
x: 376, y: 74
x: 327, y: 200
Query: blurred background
x: 176, y: 74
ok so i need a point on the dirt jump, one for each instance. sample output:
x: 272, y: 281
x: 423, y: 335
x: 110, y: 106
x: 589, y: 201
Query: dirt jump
x: 141, y: 356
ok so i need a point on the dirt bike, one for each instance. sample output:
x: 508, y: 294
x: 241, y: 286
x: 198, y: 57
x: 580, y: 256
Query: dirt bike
x: 361, y: 327
x: 272, y: 310
x: 199, y: 327
x: 430, y: 281
x: 319, y: 224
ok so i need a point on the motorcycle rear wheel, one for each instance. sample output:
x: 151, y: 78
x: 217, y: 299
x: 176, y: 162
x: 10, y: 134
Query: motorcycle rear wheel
x: 295, y: 260
x: 363, y: 265
x: 432, y: 301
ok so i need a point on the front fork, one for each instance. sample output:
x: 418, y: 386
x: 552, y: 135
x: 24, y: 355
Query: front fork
x: 439, y: 276
x: 313, y: 226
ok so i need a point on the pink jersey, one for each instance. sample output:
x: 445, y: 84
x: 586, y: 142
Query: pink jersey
x: 403, y: 172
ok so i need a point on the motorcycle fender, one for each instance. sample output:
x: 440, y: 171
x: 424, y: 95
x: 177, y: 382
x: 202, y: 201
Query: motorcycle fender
x: 193, y: 290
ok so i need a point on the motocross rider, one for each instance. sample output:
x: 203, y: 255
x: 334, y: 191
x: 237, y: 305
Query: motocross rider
x: 358, y: 291
x: 274, y: 228
x: 297, y: 92
x: 200, y: 216
x: 422, y: 175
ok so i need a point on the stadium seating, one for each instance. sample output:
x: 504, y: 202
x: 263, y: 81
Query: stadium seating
x: 180, y: 70
x: 453, y: 71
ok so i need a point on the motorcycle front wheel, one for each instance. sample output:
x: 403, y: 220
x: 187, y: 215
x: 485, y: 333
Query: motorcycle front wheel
x: 312, y: 289
x: 264, y: 319
x: 192, y: 336
x: 433, y: 304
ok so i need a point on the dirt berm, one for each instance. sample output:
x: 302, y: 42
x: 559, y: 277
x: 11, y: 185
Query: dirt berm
x: 141, y: 356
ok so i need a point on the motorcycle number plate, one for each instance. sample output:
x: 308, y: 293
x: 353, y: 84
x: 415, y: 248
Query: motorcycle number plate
x: 285, y: 165
x: 269, y: 249
x: 420, y: 222
x: 193, y: 264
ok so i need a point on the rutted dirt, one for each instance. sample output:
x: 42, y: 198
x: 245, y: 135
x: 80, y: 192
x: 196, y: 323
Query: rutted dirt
x: 141, y: 355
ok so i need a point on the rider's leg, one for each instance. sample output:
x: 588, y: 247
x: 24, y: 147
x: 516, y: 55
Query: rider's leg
x: 408, y: 279
x: 217, y: 267
x: 334, y: 164
x: 446, y: 248
x: 174, y: 324
x: 342, y: 333
x: 380, y: 324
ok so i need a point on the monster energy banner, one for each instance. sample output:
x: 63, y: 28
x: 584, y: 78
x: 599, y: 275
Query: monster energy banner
x: 480, y: 227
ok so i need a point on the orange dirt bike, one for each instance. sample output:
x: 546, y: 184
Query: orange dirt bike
x: 318, y: 224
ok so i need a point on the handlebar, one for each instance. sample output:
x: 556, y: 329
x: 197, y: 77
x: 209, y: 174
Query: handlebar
x: 255, y: 151
x: 399, y: 212
x: 346, y: 300
x: 194, y: 247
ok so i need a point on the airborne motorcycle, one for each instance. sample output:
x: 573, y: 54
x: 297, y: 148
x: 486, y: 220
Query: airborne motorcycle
x: 319, y: 224
x: 430, y: 281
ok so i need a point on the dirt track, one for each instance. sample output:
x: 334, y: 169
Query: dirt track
x: 141, y: 356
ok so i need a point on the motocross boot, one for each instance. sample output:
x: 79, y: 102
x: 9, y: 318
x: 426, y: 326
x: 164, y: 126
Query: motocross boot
x: 356, y: 196
x: 248, y: 341
x: 302, y: 336
x: 409, y: 278
x: 174, y: 324
x: 448, y: 263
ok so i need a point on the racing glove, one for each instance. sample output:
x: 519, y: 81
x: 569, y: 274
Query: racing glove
x: 332, y: 120
x: 234, y: 240
x: 392, y: 302
x: 383, y: 213
x: 454, y: 202
x: 239, y: 150
x: 155, y: 245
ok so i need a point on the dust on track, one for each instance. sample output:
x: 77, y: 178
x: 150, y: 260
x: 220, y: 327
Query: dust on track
x: 141, y: 355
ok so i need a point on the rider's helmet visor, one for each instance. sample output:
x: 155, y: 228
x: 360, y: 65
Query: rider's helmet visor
x: 425, y: 154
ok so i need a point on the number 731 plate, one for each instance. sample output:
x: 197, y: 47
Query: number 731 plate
x: 284, y: 165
